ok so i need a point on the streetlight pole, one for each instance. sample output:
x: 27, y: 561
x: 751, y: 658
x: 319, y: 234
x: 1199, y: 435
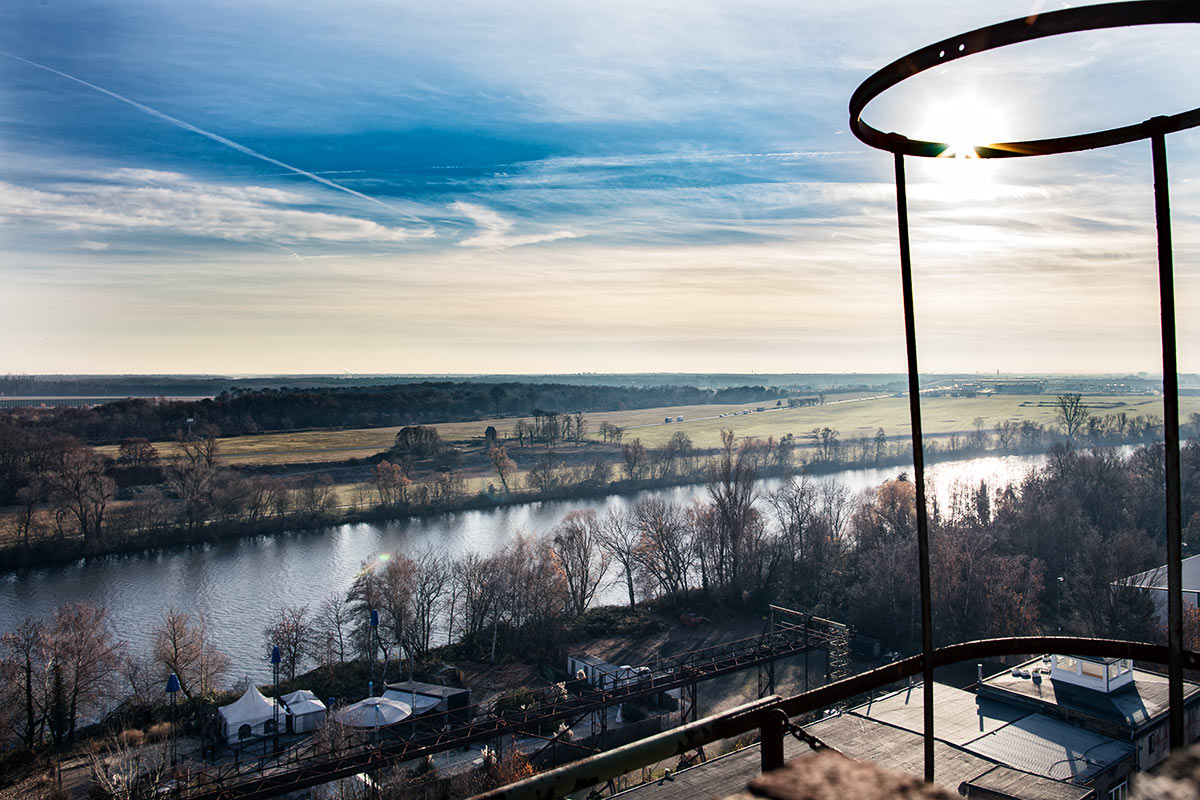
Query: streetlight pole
x: 1058, y: 610
x: 173, y: 690
x: 374, y: 643
x: 275, y: 659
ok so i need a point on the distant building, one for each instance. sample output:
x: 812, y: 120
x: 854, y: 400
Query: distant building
x: 1154, y: 581
x: 1105, y: 695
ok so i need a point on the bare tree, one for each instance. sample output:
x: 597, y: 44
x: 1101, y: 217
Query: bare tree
x: 83, y: 647
x: 431, y: 579
x: 505, y: 466
x: 828, y: 446
x: 79, y: 489
x: 546, y: 475
x: 731, y: 477
x: 1006, y: 433
x: 392, y: 484
x: 665, y: 548
x: 202, y: 446
x: 634, y: 455
x: 123, y: 770
x: 1071, y: 413
x: 619, y: 537
x: 191, y: 480
x: 24, y: 660
x: 291, y: 630
x: 331, y: 629
x: 24, y: 521
x: 580, y: 558
x: 137, y: 453
x: 182, y: 646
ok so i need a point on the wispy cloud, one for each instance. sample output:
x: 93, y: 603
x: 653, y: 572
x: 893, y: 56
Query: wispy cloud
x: 227, y: 142
x: 169, y: 203
x: 495, y: 231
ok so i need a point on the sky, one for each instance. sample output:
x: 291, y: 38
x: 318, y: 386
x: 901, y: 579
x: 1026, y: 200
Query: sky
x: 560, y: 187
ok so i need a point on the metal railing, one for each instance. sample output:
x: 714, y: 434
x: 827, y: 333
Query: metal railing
x: 770, y: 716
x: 1155, y: 129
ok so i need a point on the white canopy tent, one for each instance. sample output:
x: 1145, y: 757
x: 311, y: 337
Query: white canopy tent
x: 374, y: 712
x: 420, y: 703
x: 249, y: 715
x: 305, y: 711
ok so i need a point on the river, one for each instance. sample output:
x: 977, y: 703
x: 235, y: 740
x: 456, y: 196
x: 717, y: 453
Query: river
x: 237, y: 584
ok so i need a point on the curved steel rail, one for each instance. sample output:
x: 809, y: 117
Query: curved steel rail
x: 1024, y: 29
x: 1039, y: 26
x: 764, y: 714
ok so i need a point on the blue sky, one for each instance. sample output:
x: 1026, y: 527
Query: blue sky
x: 564, y: 187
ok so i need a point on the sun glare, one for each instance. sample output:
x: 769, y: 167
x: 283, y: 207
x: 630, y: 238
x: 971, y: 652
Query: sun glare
x: 964, y: 123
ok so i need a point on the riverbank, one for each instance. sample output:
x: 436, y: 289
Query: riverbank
x: 58, y: 549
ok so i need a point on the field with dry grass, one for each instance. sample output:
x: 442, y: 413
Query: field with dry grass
x: 853, y: 417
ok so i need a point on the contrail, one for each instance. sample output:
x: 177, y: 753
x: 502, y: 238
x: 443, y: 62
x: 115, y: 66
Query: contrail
x: 241, y: 148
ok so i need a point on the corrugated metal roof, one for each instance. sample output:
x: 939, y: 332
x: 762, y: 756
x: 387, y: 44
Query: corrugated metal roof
x: 1157, y: 578
x: 1013, y: 783
x: 896, y: 748
x: 1051, y: 748
x: 960, y: 716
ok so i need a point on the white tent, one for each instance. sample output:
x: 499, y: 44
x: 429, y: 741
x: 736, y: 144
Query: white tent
x: 374, y: 712
x: 305, y: 711
x: 249, y: 715
x: 420, y: 703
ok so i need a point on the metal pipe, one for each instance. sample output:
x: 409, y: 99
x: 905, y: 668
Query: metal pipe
x: 914, y: 410
x: 1166, y: 299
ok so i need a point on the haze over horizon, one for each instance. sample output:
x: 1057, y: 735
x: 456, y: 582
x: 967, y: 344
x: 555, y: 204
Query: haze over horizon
x: 225, y: 188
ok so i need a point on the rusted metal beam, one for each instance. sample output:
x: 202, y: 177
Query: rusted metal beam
x: 1023, y: 29
x: 918, y: 448
x: 1166, y: 304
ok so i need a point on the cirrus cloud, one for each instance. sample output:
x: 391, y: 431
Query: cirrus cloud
x: 147, y: 201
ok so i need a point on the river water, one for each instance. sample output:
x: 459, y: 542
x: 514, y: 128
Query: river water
x: 237, y: 584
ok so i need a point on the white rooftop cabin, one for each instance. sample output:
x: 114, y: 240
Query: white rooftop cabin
x: 1102, y: 674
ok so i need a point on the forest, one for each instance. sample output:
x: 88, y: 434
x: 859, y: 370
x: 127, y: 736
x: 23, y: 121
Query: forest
x: 251, y: 411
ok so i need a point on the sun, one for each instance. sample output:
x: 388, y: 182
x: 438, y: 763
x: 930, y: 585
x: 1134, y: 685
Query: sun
x: 964, y: 123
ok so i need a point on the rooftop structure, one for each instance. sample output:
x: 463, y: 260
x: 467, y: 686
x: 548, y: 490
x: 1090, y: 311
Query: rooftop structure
x: 1134, y: 710
x: 974, y: 736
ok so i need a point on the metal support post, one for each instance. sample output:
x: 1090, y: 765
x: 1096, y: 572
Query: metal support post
x: 807, y: 624
x: 771, y: 739
x: 1166, y: 295
x: 914, y: 410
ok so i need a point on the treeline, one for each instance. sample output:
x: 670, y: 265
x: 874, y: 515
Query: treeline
x: 1075, y: 427
x: 252, y: 411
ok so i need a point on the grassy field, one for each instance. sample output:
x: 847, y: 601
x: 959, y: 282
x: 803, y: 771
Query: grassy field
x: 940, y: 416
x: 703, y: 424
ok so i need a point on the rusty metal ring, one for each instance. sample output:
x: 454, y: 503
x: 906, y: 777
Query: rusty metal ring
x: 1024, y: 29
